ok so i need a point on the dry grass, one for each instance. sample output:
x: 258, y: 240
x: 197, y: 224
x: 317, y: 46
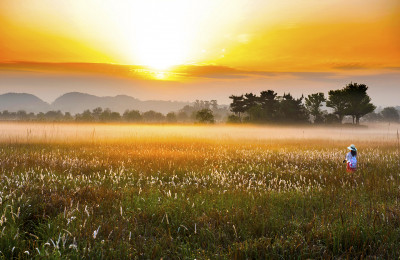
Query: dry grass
x: 148, y: 191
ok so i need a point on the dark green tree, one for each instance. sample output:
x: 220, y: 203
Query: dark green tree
x: 313, y: 104
x: 153, y: 116
x: 86, y: 116
x: 132, y: 116
x: 250, y: 100
x: 233, y: 119
x: 331, y: 119
x: 238, y: 105
x: 205, y: 116
x: 269, y: 104
x: 338, y: 101
x: 358, y: 103
x: 109, y: 116
x: 292, y: 110
x: 255, y: 114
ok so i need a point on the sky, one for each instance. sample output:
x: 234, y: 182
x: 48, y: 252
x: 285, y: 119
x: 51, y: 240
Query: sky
x: 192, y: 49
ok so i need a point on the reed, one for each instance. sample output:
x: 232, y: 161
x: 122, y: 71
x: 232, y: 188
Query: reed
x: 111, y: 191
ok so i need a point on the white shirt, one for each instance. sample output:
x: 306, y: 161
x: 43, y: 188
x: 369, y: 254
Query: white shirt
x: 352, y: 160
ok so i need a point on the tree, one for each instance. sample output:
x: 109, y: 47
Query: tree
x: 373, y: 117
x: 115, y: 116
x: 390, y: 114
x: 205, y: 116
x: 313, y: 103
x: 250, y: 100
x: 171, y: 117
x: 6, y: 115
x: 269, y: 104
x: 214, y: 105
x: 331, y: 119
x: 358, y: 103
x: 68, y: 116
x: 182, y: 116
x: 96, y: 113
x: 238, y: 105
x: 255, y: 113
x: 22, y: 115
x: 132, y: 116
x: 54, y: 116
x: 108, y: 116
x: 86, y: 116
x: 292, y: 110
x: 201, y: 104
x: 233, y: 119
x: 337, y: 101
x: 153, y: 116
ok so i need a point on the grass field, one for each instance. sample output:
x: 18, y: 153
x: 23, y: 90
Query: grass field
x: 184, y: 192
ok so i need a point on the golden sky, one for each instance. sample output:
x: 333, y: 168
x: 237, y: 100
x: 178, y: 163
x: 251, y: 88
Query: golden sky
x: 265, y: 35
x: 229, y: 46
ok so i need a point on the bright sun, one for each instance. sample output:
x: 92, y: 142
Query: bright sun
x: 160, y: 34
x: 159, y: 37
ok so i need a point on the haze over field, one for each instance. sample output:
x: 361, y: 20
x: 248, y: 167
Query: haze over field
x: 187, y: 50
x: 58, y: 132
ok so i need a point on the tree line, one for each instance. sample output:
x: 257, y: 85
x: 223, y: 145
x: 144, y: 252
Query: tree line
x: 388, y: 114
x: 268, y: 107
x: 201, y: 111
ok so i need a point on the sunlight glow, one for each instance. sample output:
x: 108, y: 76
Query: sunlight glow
x: 158, y: 34
x: 160, y: 37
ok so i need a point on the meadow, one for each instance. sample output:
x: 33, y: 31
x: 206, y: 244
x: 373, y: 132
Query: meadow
x: 84, y: 191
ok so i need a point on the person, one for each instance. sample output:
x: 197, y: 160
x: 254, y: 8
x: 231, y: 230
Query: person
x: 351, y: 159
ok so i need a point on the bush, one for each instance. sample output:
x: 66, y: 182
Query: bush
x: 205, y: 116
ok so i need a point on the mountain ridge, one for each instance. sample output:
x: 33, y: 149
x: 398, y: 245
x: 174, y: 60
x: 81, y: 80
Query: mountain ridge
x: 77, y: 102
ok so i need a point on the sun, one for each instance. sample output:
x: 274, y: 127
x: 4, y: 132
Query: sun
x: 161, y: 50
x: 158, y: 35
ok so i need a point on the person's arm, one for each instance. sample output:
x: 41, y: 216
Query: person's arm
x: 347, y: 158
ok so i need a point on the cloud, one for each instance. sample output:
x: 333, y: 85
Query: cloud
x: 177, y: 74
x: 218, y: 72
x: 350, y: 66
x: 133, y: 71
x: 392, y: 68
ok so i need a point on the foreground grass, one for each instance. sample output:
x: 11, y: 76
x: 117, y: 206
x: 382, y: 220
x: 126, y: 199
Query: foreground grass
x: 194, y: 198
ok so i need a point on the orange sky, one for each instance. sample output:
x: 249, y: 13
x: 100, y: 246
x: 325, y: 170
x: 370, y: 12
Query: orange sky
x: 198, y: 40
x: 263, y: 35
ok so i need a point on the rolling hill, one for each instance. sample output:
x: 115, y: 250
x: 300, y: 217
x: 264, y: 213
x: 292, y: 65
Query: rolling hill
x: 76, y: 102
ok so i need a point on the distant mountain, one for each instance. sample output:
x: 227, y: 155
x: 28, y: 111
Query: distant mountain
x: 14, y: 102
x: 76, y: 102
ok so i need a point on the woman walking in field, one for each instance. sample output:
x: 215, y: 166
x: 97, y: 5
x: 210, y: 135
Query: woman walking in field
x: 351, y: 159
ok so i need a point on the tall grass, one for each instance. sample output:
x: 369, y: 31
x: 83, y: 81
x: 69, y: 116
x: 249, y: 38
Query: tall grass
x: 193, y: 192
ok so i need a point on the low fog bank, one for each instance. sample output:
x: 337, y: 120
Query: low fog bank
x: 70, y: 132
